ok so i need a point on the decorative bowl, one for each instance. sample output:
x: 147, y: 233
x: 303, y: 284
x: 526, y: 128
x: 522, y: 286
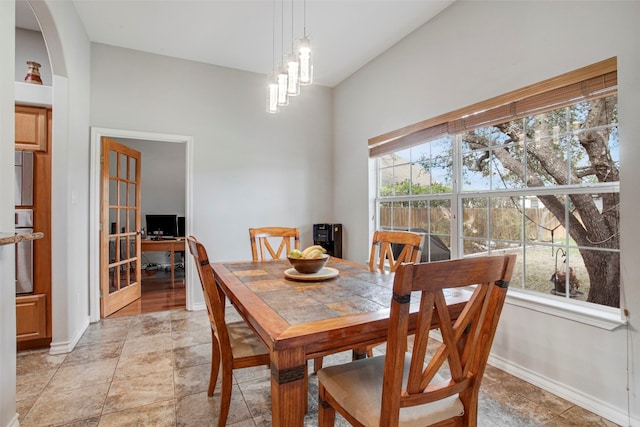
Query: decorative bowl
x: 308, y: 265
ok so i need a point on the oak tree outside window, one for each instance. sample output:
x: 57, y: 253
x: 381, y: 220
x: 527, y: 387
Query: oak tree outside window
x: 533, y: 172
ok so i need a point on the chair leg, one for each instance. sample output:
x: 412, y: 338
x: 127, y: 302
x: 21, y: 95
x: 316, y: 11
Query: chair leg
x: 317, y: 364
x: 370, y: 351
x: 306, y: 389
x: 225, y: 397
x: 215, y: 364
x: 326, y: 413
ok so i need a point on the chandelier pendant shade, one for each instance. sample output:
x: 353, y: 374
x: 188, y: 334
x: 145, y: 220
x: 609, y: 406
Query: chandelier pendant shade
x: 283, y: 85
x: 293, y: 87
x: 272, y: 96
x: 304, y: 58
x: 296, y: 68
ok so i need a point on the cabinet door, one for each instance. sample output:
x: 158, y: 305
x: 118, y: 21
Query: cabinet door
x: 31, y: 317
x: 31, y: 128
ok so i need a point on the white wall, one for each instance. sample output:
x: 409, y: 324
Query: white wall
x: 30, y: 47
x: 473, y: 51
x: 250, y: 168
x: 8, y: 414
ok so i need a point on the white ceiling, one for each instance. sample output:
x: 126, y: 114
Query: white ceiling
x: 345, y: 34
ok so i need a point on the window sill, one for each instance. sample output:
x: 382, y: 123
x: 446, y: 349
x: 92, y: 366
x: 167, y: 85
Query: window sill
x: 607, y: 318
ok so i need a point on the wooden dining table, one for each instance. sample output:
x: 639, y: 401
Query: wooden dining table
x: 300, y: 320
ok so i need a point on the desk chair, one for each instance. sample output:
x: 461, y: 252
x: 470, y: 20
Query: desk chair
x: 234, y: 345
x: 261, y: 238
x: 406, y: 389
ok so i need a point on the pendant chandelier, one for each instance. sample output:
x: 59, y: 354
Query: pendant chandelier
x: 295, y: 69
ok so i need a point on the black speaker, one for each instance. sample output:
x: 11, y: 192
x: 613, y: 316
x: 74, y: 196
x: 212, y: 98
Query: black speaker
x: 329, y: 236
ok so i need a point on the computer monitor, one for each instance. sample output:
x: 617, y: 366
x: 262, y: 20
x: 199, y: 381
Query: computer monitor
x: 166, y: 224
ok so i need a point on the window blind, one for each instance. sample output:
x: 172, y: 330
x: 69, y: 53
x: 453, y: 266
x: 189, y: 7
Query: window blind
x: 593, y: 81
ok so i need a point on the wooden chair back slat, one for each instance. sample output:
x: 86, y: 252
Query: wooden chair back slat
x: 382, y: 253
x: 466, y: 343
x: 261, y: 246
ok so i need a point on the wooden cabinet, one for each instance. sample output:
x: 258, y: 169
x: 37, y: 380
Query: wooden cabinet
x: 31, y: 317
x: 33, y: 311
x: 31, y: 128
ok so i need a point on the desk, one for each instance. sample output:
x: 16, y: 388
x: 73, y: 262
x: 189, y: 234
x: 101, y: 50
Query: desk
x: 171, y: 246
x: 301, y: 320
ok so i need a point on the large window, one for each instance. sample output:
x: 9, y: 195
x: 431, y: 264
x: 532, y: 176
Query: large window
x: 534, y: 172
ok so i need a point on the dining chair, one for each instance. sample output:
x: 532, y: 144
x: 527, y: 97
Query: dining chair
x: 382, y: 258
x: 262, y: 239
x: 410, y: 389
x: 234, y: 344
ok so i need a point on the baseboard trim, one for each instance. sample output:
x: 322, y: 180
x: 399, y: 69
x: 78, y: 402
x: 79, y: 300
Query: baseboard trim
x: 68, y: 346
x: 14, y: 421
x: 612, y: 413
x: 198, y: 306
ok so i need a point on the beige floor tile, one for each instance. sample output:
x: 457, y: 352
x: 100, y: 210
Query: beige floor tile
x: 37, y: 360
x: 76, y: 376
x: 257, y: 395
x: 550, y: 402
x: 92, y: 353
x: 140, y: 364
x: 190, y: 356
x: 579, y: 416
x: 147, y: 344
x: 201, y: 410
x: 115, y: 322
x: 192, y: 338
x: 31, y: 384
x: 246, y: 423
x: 160, y: 414
x: 255, y: 373
x: 61, y: 407
x: 88, y: 422
x: 132, y: 392
x: 188, y: 325
x: 506, y: 407
x: 148, y: 328
x: 191, y: 380
x: 94, y: 336
x: 24, y: 406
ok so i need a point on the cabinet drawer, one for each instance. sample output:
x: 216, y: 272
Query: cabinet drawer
x: 31, y: 317
x: 31, y: 128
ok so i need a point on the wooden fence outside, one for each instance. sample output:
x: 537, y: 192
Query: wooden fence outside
x: 506, y: 223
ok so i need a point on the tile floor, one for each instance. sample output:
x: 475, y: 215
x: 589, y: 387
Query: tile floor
x: 153, y: 370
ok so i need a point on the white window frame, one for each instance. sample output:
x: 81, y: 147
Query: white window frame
x: 600, y: 316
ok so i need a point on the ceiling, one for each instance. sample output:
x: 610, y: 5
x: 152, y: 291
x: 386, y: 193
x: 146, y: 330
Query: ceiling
x: 345, y: 34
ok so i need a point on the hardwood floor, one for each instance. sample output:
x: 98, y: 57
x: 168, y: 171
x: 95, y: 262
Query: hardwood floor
x: 157, y: 294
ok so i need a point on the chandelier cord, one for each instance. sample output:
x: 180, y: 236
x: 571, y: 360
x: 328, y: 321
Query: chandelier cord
x: 304, y: 17
x: 291, y: 26
x: 282, y: 31
x: 273, y: 37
